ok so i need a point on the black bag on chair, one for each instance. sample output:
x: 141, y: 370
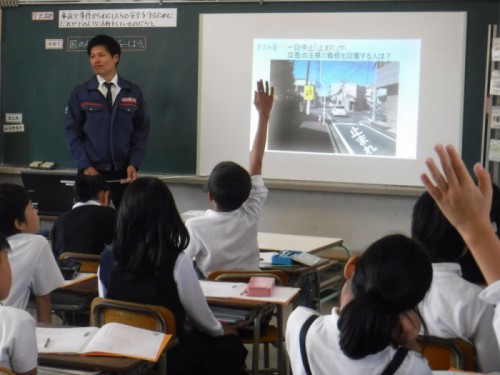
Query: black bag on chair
x: 69, y: 268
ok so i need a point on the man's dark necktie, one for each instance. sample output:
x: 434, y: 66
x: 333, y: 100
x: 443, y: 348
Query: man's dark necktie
x: 109, y: 96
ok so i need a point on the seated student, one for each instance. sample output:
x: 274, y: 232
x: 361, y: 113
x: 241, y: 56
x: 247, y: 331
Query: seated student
x: 147, y: 265
x: 377, y: 322
x: 452, y: 308
x: 467, y: 207
x: 226, y: 237
x: 34, y: 267
x: 18, y: 351
x: 88, y: 227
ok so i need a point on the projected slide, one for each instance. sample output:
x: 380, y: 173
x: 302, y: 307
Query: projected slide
x: 341, y: 96
x: 360, y: 98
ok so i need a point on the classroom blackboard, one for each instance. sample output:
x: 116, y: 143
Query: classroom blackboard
x: 36, y: 80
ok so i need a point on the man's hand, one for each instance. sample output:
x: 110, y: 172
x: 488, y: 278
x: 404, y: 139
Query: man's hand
x: 90, y: 171
x: 131, y: 174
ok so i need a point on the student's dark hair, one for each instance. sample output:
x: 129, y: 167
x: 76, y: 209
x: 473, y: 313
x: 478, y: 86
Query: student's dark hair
x: 391, y: 276
x: 149, y: 230
x: 13, y: 202
x: 111, y: 45
x: 230, y: 185
x: 437, y: 235
x: 89, y: 187
x: 4, y: 244
x: 434, y: 232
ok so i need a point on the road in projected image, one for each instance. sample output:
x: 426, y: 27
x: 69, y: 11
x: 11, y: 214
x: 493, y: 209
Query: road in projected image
x: 334, y: 107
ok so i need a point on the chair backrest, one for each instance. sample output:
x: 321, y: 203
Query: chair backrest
x: 443, y: 354
x: 228, y: 275
x: 152, y: 317
x: 89, y: 262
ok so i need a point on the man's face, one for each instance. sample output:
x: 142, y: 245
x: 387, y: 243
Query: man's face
x: 102, y: 62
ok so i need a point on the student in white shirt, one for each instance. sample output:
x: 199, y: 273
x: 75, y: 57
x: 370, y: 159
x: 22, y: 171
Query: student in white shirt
x: 34, y: 267
x: 452, y: 308
x: 467, y: 207
x: 226, y: 237
x: 18, y: 351
x: 376, y: 322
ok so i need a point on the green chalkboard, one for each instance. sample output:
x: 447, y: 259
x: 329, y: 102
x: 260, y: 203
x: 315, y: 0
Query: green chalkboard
x: 36, y: 81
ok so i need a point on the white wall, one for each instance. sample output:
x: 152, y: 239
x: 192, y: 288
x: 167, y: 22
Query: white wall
x: 357, y: 218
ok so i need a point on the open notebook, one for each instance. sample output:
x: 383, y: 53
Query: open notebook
x: 112, y: 339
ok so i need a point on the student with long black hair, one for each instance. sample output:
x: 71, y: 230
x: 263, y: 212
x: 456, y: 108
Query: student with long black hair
x: 375, y: 328
x: 147, y: 265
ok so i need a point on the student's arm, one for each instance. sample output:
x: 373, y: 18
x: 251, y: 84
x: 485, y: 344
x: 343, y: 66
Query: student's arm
x: 263, y: 101
x: 466, y: 206
x: 192, y: 298
x: 44, y: 308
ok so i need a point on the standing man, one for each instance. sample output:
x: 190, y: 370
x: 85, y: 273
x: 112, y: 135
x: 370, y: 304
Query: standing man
x: 107, y: 122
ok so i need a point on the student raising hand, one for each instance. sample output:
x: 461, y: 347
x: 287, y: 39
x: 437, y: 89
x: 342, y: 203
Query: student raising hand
x: 263, y: 98
x: 466, y: 205
x: 456, y: 194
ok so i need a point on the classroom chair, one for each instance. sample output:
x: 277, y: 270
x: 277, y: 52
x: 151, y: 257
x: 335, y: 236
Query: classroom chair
x: 331, y: 278
x: 89, y: 263
x: 152, y: 317
x: 446, y: 353
x: 269, y: 334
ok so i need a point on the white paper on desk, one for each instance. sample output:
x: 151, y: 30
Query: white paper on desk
x: 222, y: 289
x: 63, y: 340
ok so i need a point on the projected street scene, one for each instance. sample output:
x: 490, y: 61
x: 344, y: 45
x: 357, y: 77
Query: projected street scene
x: 335, y: 107
x: 347, y: 97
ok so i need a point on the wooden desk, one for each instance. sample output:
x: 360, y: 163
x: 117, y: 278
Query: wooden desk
x: 120, y: 365
x: 310, y: 244
x: 306, y: 278
x: 74, y: 299
x: 259, y: 307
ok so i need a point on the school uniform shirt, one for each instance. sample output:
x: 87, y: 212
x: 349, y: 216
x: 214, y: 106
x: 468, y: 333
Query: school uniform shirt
x: 107, y: 140
x: 87, y: 228
x: 326, y: 357
x: 452, y: 308
x: 18, y: 351
x: 491, y: 295
x: 228, y: 240
x: 188, y: 296
x: 34, y: 268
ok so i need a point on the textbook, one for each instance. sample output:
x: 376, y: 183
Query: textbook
x: 112, y: 339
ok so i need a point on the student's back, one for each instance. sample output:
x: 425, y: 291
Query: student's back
x: 18, y: 351
x: 226, y: 236
x: 452, y: 308
x: 33, y: 264
x: 88, y: 227
x: 147, y: 265
x: 376, y: 314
